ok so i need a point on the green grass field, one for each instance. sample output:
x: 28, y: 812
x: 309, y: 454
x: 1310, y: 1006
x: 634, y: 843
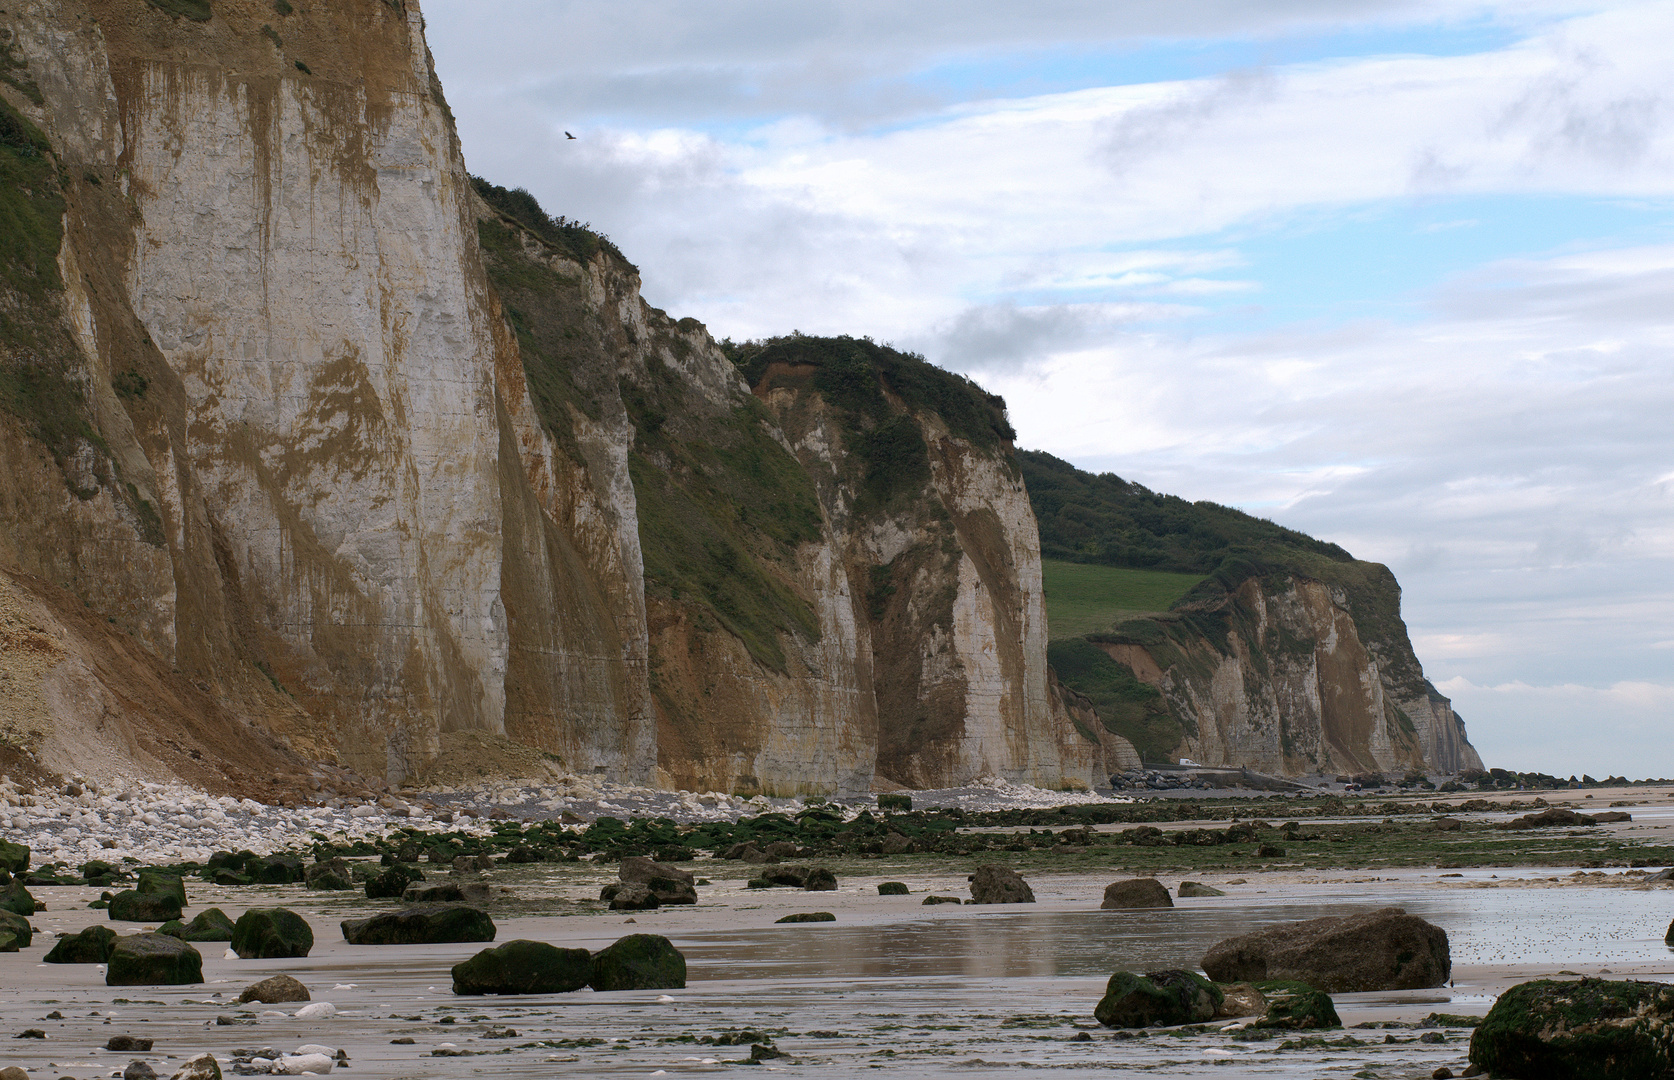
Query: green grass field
x: 1082, y: 598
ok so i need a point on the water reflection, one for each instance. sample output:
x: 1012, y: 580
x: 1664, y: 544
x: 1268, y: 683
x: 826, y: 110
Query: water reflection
x: 1488, y: 926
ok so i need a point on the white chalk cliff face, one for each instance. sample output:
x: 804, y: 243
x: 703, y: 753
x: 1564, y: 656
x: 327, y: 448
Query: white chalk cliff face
x: 332, y: 481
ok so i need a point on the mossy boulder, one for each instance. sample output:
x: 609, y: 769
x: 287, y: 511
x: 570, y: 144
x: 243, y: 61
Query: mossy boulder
x: 131, y: 905
x: 92, y: 946
x: 808, y: 916
x: 523, y: 967
x: 421, y: 924
x: 275, y: 870
x: 639, y: 962
x: 820, y: 879
x: 1385, y: 949
x: 17, y: 899
x: 15, y: 932
x: 209, y: 925
x: 14, y: 858
x: 157, y: 883
x: 271, y: 933
x: 1158, y: 998
x: 391, y: 881
x: 1294, y: 1006
x: 892, y: 888
x: 153, y: 960
x: 330, y: 875
x: 1586, y: 1029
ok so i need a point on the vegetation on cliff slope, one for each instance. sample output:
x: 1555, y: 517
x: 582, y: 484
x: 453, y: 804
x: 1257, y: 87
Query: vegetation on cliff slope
x: 875, y: 392
x: 722, y: 506
x: 36, y: 352
x: 1105, y: 521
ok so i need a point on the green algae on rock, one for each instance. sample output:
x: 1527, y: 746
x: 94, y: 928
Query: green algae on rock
x: 523, y: 967
x: 639, y: 962
x: 153, y: 960
x: 1587, y: 1029
x: 271, y: 933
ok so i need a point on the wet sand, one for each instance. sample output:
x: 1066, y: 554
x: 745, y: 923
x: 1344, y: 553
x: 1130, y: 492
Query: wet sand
x: 949, y: 990
x: 956, y: 991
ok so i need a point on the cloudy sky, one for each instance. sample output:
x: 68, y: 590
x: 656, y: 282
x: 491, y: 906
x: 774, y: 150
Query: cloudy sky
x: 1399, y: 274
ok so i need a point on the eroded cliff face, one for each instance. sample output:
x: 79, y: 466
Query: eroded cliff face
x: 1278, y: 675
x: 366, y: 459
x: 305, y: 417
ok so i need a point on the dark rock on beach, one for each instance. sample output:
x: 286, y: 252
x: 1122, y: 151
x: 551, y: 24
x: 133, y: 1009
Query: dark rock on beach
x: 995, y: 884
x: 16, y: 930
x: 630, y: 897
x: 92, y: 946
x: 1588, y: 1029
x: 1136, y: 893
x: 820, y: 879
x: 129, y: 1044
x: 131, y: 905
x: 892, y: 888
x: 271, y: 933
x: 1556, y: 817
x: 17, y: 899
x: 1159, y: 997
x: 639, y: 962
x: 1381, y: 950
x: 275, y: 991
x: 211, y: 924
x: 421, y: 924
x: 808, y: 916
x: 523, y: 967
x: 390, y: 882
x: 153, y: 960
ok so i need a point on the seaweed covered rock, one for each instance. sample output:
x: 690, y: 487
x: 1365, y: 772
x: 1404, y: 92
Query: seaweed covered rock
x: 153, y: 960
x: 807, y: 916
x: 92, y: 946
x: 995, y: 884
x: 14, y: 858
x: 17, y: 899
x: 1161, y: 998
x: 1294, y: 1006
x: 668, y: 884
x: 271, y: 933
x: 275, y: 991
x: 275, y: 869
x: 892, y: 888
x: 18, y: 928
x: 209, y: 925
x: 820, y: 879
x: 390, y: 882
x: 131, y: 905
x: 1586, y: 1029
x: 1385, y: 949
x: 329, y: 875
x: 1136, y: 893
x: 158, y: 883
x: 524, y: 967
x: 421, y: 924
x: 639, y: 962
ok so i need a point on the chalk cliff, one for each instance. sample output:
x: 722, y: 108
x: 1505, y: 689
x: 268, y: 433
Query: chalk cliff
x: 348, y: 449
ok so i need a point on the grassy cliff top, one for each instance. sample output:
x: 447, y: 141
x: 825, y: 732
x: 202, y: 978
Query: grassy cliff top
x: 858, y: 377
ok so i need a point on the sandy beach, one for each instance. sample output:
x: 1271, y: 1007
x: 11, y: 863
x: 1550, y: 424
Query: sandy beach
x: 958, y: 990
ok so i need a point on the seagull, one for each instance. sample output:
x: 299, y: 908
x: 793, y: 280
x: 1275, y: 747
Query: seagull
x: 567, y: 135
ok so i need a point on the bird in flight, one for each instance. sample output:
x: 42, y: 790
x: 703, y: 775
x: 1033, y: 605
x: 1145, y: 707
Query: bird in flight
x: 567, y: 135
